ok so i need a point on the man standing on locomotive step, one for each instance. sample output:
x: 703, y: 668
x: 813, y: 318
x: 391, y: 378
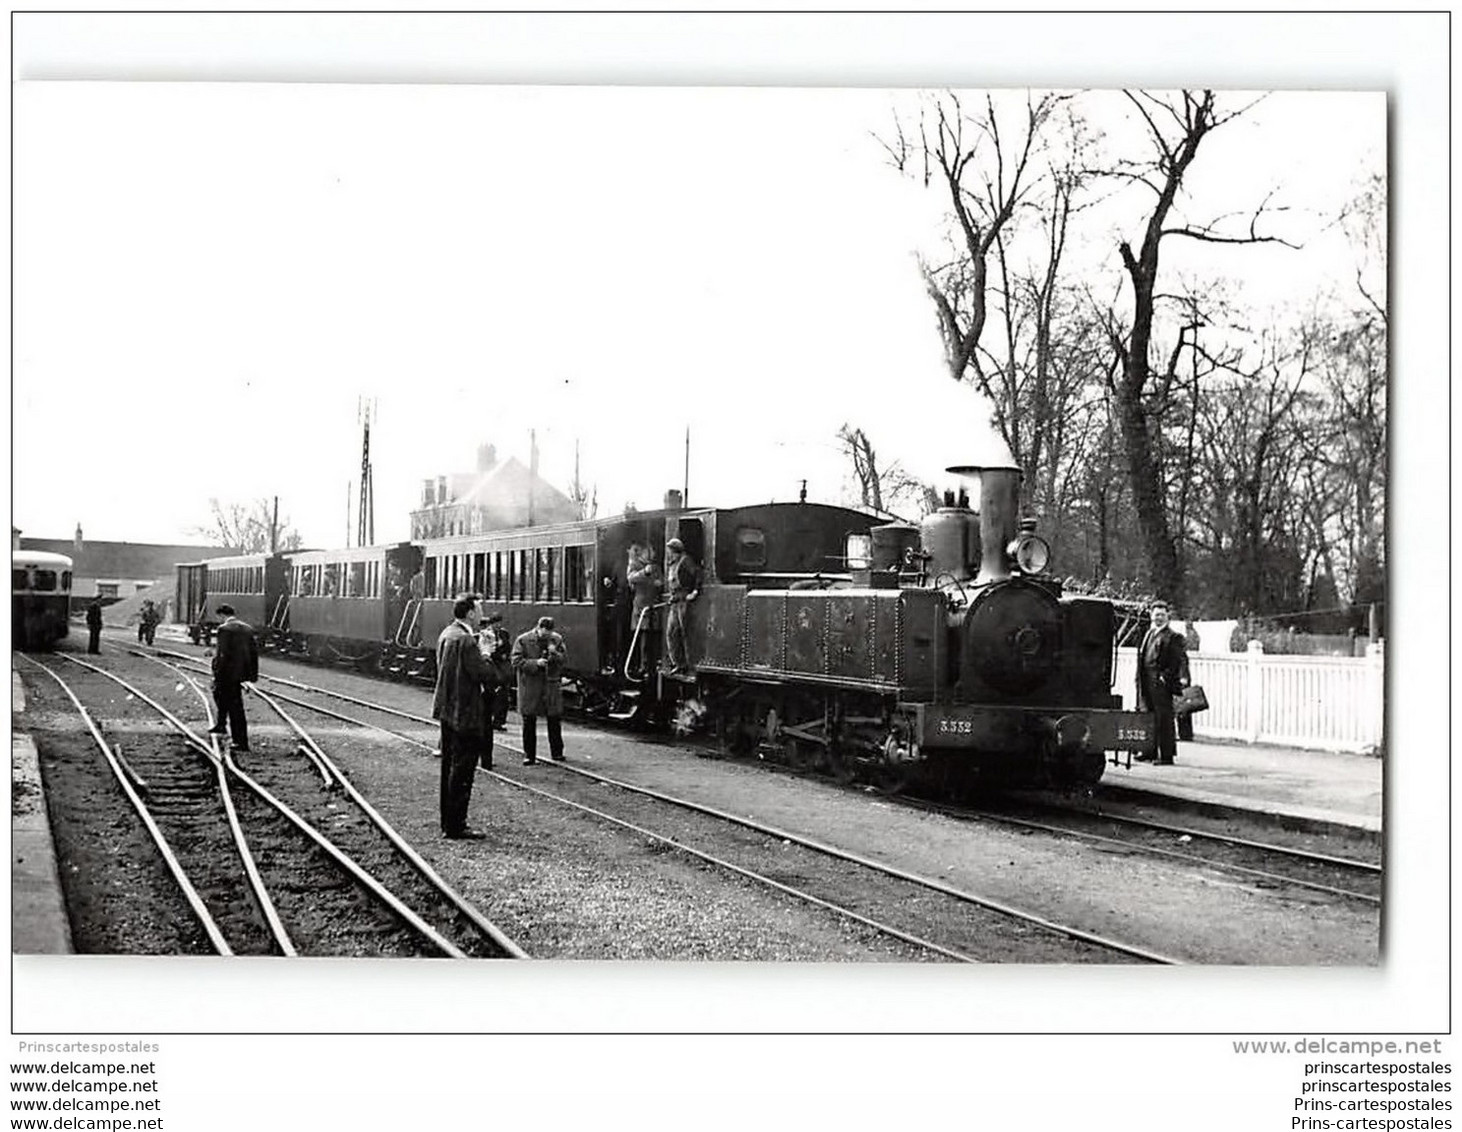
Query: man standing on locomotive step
x: 682, y: 585
x: 538, y: 659
x: 235, y: 663
x: 460, y: 706
x: 644, y: 583
x: 1162, y: 672
x: 94, y: 625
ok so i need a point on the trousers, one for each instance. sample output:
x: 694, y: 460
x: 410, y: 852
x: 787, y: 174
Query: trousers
x: 530, y: 736
x: 229, y: 696
x: 460, y: 752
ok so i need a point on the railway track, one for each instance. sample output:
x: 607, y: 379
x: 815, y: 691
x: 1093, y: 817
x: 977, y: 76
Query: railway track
x: 787, y: 862
x: 358, y: 889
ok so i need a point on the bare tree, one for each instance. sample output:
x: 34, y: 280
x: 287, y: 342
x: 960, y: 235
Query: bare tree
x: 1176, y: 128
x: 248, y: 528
x: 881, y: 489
x: 585, y: 497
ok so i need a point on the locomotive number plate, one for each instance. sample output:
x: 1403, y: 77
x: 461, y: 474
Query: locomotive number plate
x: 1123, y: 731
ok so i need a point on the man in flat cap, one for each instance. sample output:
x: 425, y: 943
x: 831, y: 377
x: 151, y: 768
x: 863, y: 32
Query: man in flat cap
x: 682, y: 586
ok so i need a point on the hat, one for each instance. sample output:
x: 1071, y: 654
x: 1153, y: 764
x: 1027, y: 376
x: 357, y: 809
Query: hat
x: 545, y: 622
x: 226, y: 610
x: 675, y: 544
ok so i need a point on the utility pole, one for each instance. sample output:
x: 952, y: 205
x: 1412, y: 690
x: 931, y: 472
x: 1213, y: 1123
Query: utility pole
x: 685, y: 484
x: 274, y: 529
x: 366, y: 527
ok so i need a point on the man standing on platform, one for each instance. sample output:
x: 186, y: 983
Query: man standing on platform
x: 235, y: 663
x: 538, y: 659
x: 460, y: 707
x: 1162, y: 672
x: 94, y: 625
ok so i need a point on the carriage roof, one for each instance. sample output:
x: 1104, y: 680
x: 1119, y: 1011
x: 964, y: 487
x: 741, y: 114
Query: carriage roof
x: 39, y: 558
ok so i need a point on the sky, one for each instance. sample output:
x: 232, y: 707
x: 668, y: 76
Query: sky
x: 209, y: 278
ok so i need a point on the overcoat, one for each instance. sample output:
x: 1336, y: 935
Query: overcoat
x: 461, y: 676
x: 236, y: 655
x: 1162, y: 660
x: 539, y: 690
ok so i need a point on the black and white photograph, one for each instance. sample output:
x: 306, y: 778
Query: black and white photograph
x: 508, y: 537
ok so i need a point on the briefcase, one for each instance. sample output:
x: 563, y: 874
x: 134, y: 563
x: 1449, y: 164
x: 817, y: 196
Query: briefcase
x: 1191, y: 699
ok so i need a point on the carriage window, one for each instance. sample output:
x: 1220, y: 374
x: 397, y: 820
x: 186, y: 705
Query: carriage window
x: 520, y: 575
x: 66, y: 580
x: 573, y: 574
x: 358, y: 584
x: 19, y: 579
x: 479, y: 572
x: 751, y: 548
x: 431, y: 577
x: 546, y: 580
x: 46, y: 582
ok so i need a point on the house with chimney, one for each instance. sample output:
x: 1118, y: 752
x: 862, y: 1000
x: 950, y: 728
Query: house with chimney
x: 500, y: 494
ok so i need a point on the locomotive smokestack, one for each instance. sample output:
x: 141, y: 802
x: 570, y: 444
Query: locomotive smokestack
x: 999, y: 489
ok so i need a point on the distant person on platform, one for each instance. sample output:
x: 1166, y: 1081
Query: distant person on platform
x: 1162, y: 672
x: 682, y: 586
x: 460, y: 707
x: 235, y: 663
x: 94, y: 625
x: 147, y: 622
x: 644, y: 583
x: 538, y: 659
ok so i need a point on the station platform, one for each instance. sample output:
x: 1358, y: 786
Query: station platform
x: 38, y: 923
x: 1334, y: 788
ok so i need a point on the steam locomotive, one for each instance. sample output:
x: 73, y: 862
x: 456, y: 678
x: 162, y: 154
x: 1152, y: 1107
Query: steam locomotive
x: 942, y: 651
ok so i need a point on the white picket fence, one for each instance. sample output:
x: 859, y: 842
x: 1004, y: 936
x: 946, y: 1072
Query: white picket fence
x: 1323, y: 702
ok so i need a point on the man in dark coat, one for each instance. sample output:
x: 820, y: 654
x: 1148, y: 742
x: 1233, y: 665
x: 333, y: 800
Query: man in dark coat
x: 538, y: 659
x: 235, y: 663
x: 94, y: 625
x: 644, y: 583
x: 459, y: 707
x: 1162, y: 672
x: 682, y: 585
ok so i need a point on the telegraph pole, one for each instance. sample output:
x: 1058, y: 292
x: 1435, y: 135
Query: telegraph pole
x: 366, y: 525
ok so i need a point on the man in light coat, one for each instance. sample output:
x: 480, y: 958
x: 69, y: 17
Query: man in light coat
x: 538, y: 659
x: 1162, y: 672
x: 460, y: 709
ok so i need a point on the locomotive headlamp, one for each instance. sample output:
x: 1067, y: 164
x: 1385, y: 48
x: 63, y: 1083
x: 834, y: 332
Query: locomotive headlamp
x: 1031, y: 553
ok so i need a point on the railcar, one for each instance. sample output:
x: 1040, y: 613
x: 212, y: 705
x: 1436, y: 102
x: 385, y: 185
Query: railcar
x: 40, y: 598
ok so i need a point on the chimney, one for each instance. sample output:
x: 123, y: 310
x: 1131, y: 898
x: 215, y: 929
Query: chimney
x: 486, y: 457
x: 441, y: 489
x: 674, y: 500
x: 999, y: 507
x: 428, y: 491
x: 76, y: 542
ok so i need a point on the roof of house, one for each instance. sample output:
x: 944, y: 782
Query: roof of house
x: 138, y: 560
x: 504, y: 488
